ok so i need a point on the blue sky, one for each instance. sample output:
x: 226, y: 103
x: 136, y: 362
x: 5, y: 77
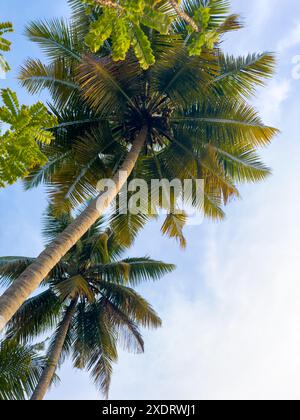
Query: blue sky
x: 231, y: 311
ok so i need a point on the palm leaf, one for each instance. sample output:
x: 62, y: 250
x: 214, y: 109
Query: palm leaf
x: 107, y: 86
x: 56, y: 77
x: 131, y: 270
x: 173, y: 227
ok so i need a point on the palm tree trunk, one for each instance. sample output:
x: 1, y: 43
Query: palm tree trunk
x: 31, y: 278
x: 54, y: 356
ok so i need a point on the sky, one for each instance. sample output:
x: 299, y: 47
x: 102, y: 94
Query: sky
x: 231, y: 311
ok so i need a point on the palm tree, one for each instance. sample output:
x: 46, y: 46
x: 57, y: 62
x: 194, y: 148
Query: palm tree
x: 20, y: 369
x: 186, y: 117
x: 89, y: 301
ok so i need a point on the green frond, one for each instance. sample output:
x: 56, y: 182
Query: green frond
x: 127, y: 226
x: 36, y: 316
x: 74, y: 287
x: 107, y: 86
x: 5, y: 44
x: 90, y: 162
x: 225, y: 122
x: 173, y: 227
x: 56, y: 77
x: 131, y: 271
x: 180, y: 78
x: 80, y: 18
x: 12, y: 267
x: 243, y: 164
x: 128, y: 333
x: 134, y: 306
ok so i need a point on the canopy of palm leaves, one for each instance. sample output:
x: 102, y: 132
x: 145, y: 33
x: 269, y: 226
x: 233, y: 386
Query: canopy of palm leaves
x: 20, y: 369
x: 199, y: 122
x: 109, y: 312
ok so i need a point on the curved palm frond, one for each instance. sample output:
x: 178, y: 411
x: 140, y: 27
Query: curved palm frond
x: 225, y: 122
x: 130, y: 303
x: 131, y: 271
x: 37, y: 316
x: 56, y: 77
x: 12, y: 267
x: 95, y: 345
x: 240, y: 76
x: 107, y: 86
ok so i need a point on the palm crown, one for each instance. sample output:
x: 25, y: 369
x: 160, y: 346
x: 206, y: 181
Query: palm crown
x: 198, y: 121
x: 97, y: 285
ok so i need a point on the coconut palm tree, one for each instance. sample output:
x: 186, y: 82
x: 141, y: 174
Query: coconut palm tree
x: 186, y: 117
x: 88, y: 301
x: 20, y: 369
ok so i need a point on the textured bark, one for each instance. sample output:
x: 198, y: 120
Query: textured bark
x: 31, y: 278
x: 184, y: 16
x: 54, y: 356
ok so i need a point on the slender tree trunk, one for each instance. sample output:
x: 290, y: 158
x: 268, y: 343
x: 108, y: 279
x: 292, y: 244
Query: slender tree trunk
x: 31, y: 278
x: 54, y: 356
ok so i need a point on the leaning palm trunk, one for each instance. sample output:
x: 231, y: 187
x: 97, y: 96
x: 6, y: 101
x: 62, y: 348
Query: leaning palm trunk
x: 31, y: 278
x: 54, y: 356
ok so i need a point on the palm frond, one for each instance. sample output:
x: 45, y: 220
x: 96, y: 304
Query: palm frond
x: 56, y: 77
x: 12, y: 267
x: 173, y: 227
x: 107, y: 86
x: 131, y: 271
x: 225, y: 122
x: 180, y: 78
x: 130, y: 303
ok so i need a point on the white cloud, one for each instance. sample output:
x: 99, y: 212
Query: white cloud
x: 291, y: 40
